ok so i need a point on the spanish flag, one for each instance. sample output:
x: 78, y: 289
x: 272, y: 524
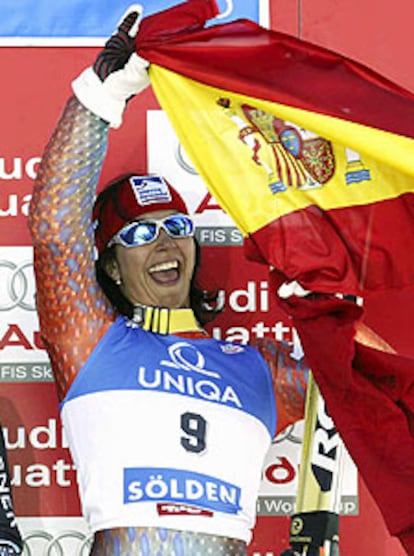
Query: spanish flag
x: 312, y: 155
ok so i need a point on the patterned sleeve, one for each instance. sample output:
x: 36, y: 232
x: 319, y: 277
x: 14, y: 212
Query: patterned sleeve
x: 73, y: 311
x: 289, y: 380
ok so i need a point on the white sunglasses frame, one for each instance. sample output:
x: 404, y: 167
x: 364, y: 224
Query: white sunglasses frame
x: 159, y: 222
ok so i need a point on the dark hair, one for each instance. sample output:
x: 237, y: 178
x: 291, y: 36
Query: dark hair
x: 204, y: 303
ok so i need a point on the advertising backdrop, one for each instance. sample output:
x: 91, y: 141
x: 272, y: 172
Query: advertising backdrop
x: 43, y: 47
x: 90, y: 23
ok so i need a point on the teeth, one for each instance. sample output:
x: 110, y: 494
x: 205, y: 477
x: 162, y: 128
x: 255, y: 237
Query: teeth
x: 164, y: 266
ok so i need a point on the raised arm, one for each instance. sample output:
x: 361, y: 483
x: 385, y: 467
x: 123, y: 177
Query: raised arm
x: 73, y: 311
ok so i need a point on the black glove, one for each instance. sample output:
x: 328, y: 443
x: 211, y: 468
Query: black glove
x: 117, y: 74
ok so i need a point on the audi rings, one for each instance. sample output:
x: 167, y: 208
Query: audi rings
x: 291, y: 434
x: 19, y: 286
x: 183, y: 160
x: 41, y: 543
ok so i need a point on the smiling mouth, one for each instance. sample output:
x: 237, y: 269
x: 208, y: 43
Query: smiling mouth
x: 165, y: 273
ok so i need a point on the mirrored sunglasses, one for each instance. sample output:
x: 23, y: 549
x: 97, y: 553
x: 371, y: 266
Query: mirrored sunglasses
x: 143, y: 232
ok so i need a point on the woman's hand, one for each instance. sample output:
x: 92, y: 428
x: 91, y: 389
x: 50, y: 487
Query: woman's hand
x: 117, y: 74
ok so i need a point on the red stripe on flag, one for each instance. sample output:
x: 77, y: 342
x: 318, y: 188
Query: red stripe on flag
x: 242, y: 57
x: 346, y: 250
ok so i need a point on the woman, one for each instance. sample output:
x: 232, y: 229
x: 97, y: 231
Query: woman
x: 168, y: 428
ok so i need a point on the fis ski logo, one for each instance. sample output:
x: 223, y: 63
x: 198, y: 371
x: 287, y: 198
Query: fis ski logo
x: 230, y: 349
x: 150, y: 189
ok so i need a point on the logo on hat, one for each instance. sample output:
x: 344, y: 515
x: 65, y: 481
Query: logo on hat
x: 150, y: 190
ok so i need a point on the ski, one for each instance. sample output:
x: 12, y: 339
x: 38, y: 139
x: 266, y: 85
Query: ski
x: 314, y: 527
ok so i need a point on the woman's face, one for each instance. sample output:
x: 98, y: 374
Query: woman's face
x: 158, y: 273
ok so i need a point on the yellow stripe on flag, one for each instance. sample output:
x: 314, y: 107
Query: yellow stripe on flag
x: 262, y: 160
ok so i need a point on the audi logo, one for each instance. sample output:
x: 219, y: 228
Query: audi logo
x: 183, y: 161
x: 18, y: 286
x: 42, y: 543
x: 290, y: 434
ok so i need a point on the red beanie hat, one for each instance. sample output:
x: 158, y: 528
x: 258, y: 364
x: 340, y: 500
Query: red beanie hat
x: 128, y: 198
